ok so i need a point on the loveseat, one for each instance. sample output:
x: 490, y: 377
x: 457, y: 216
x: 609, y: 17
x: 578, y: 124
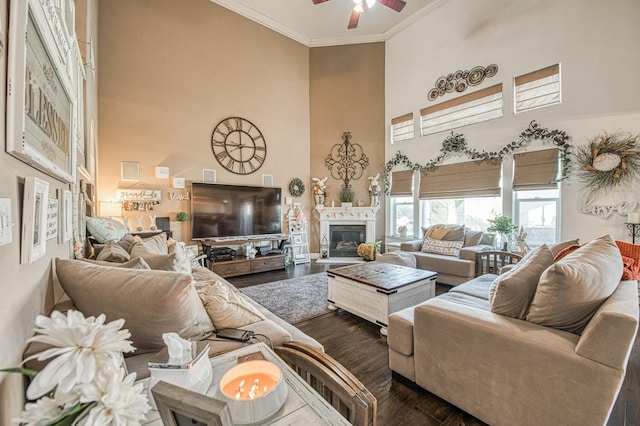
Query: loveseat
x: 451, y: 251
x: 537, y: 345
x: 174, y: 296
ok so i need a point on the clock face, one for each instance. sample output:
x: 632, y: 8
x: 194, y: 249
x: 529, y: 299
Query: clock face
x: 238, y: 145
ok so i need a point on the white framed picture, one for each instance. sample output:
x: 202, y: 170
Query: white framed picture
x: 65, y: 215
x: 129, y: 171
x: 297, y: 239
x: 52, y: 218
x: 41, y: 99
x: 34, y: 219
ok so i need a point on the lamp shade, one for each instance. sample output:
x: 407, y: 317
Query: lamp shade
x: 108, y: 208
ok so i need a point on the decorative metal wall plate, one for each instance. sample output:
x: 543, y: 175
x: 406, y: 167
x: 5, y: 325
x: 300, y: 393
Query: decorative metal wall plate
x: 459, y: 81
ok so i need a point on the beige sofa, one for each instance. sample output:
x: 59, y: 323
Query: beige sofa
x: 507, y: 371
x: 154, y: 302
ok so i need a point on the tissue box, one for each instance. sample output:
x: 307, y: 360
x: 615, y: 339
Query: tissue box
x: 195, y: 375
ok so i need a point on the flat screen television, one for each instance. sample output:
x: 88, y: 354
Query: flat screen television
x: 224, y: 211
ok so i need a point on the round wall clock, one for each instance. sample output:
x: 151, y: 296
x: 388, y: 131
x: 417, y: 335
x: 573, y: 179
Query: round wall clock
x: 238, y: 145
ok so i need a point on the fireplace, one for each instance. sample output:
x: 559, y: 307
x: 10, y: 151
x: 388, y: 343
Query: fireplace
x: 342, y: 229
x: 345, y: 239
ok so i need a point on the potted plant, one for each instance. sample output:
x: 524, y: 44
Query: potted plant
x: 182, y: 216
x: 346, y: 197
x: 504, y: 227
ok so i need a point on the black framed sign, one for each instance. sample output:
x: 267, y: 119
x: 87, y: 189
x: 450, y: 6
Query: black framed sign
x: 41, y: 100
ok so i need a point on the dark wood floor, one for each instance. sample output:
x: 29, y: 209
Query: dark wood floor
x: 358, y: 345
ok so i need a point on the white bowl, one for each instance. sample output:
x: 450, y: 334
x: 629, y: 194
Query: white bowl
x: 248, y: 411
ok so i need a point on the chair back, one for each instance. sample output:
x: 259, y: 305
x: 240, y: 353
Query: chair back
x: 330, y: 379
x: 490, y: 262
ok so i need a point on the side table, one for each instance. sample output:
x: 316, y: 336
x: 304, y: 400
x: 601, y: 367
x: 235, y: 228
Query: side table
x: 490, y: 262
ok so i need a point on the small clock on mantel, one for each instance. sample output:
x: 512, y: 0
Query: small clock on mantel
x: 238, y: 145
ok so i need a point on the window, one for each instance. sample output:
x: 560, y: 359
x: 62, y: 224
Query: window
x: 402, y: 214
x: 537, y: 89
x: 537, y: 212
x: 474, y: 213
x: 402, y: 128
x: 476, y: 107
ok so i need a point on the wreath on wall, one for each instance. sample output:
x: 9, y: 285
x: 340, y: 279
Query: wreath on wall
x: 609, y: 160
x: 456, y: 143
x: 296, y: 187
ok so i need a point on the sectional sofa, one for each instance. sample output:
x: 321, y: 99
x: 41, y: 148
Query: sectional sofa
x: 545, y: 343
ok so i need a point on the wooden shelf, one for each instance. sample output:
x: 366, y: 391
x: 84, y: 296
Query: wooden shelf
x: 243, y: 266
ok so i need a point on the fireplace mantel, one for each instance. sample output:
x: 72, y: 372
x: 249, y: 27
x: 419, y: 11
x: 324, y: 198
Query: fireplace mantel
x: 347, y: 216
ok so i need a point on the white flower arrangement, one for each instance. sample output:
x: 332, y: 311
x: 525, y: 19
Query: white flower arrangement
x: 84, y: 383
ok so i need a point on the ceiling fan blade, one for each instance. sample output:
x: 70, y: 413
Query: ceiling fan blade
x: 396, y: 5
x: 353, y: 20
x: 319, y: 1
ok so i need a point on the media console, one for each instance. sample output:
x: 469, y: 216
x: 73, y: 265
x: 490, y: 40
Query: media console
x: 231, y: 266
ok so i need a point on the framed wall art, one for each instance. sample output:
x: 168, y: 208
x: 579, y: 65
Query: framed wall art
x: 65, y: 231
x: 41, y: 100
x: 34, y: 219
x: 52, y: 218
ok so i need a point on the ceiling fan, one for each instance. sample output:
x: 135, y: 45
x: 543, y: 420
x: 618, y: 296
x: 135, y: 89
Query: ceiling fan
x: 358, y: 8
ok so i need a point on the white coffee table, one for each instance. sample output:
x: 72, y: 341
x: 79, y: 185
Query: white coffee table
x: 303, y: 404
x: 375, y: 290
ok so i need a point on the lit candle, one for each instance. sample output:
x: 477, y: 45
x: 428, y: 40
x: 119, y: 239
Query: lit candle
x: 633, y: 217
x: 260, y: 384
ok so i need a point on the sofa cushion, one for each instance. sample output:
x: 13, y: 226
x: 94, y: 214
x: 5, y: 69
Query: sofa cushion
x: 572, y: 289
x: 398, y: 258
x: 471, y: 237
x: 156, y: 244
x: 511, y: 294
x: 226, y: 308
x: 127, y: 242
x: 449, y: 248
x: 150, y: 302
x: 631, y: 259
x: 477, y: 287
x: 104, y: 229
x: 444, y: 264
x: 113, y: 252
x: 135, y: 263
x: 161, y: 262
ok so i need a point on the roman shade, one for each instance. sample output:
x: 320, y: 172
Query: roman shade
x: 402, y: 128
x: 535, y: 170
x: 402, y: 183
x: 537, y: 89
x: 461, y: 180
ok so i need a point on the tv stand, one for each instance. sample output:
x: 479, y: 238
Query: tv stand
x: 241, y: 265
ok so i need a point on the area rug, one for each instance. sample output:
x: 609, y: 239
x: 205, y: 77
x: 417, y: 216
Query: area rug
x: 294, y: 300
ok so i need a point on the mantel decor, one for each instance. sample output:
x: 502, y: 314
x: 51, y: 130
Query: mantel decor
x: 456, y: 143
x: 346, y: 161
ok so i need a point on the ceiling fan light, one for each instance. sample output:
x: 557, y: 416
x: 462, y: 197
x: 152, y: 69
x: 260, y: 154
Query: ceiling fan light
x: 358, y: 8
x: 370, y: 3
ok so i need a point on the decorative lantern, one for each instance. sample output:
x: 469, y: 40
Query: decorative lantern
x: 324, y: 247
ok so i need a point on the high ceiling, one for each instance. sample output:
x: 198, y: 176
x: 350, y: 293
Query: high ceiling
x: 325, y: 24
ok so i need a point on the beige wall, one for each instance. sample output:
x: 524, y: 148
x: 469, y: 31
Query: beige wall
x: 170, y: 71
x: 346, y: 86
x: 26, y: 289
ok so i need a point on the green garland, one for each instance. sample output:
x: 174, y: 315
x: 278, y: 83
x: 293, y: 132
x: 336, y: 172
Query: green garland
x: 296, y: 187
x: 456, y: 143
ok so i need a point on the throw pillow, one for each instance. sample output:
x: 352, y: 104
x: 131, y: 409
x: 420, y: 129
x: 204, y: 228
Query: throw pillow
x: 455, y: 234
x: 438, y: 232
x: 127, y: 242
x: 226, y: 308
x: 104, y: 229
x: 150, y: 302
x: 631, y: 259
x: 487, y: 239
x: 450, y: 248
x: 572, y: 289
x: 558, y: 247
x: 161, y: 262
x: 565, y: 252
x: 183, y: 258
x: 113, y: 252
x: 471, y: 237
x: 511, y: 294
x: 135, y: 263
x: 156, y: 244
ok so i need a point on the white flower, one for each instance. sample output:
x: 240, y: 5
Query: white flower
x: 83, y: 347
x: 118, y: 402
x: 45, y: 409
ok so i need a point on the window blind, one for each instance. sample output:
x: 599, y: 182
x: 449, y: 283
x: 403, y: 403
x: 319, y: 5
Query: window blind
x: 462, y: 180
x: 402, y: 128
x: 475, y: 107
x: 402, y: 184
x: 535, y: 170
x: 537, y: 89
